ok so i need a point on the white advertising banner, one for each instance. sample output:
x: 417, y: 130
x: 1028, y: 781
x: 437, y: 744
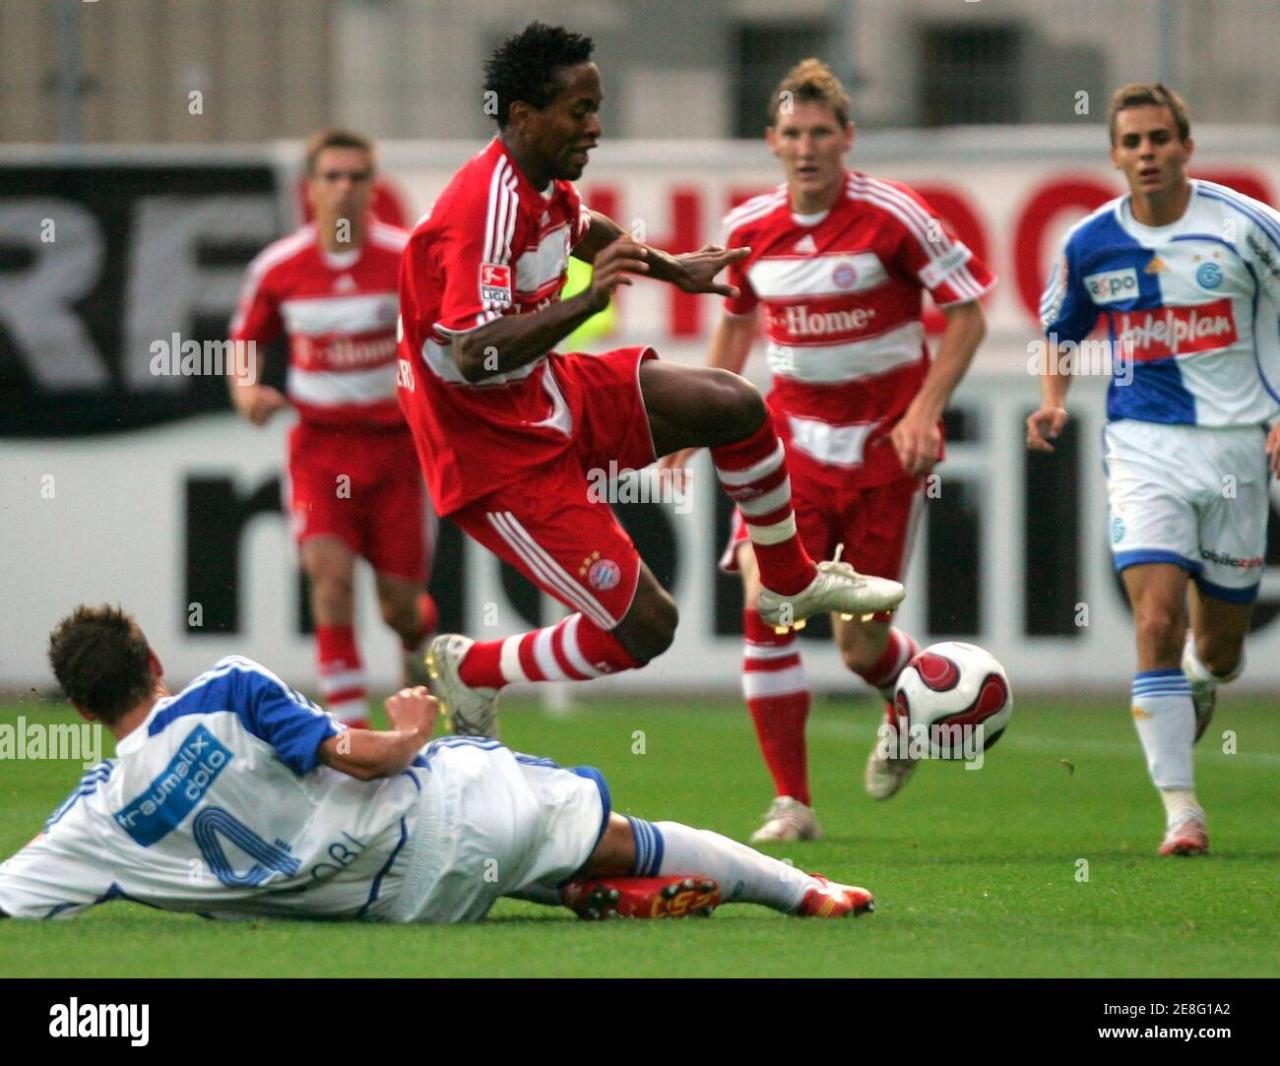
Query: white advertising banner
x: 118, y: 519
x: 117, y: 485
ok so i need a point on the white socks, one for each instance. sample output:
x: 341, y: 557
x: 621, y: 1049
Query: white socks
x: 1166, y: 721
x: 744, y: 874
x: 1179, y: 805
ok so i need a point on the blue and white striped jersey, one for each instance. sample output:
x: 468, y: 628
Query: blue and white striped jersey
x: 218, y: 804
x: 1194, y: 305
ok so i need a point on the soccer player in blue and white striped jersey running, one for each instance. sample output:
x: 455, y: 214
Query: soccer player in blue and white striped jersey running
x: 1186, y: 274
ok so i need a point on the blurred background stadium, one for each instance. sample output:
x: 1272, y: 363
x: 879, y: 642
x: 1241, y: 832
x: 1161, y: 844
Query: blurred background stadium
x: 149, y: 148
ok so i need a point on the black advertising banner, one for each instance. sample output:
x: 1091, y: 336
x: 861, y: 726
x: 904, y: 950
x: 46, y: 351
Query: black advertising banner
x: 106, y: 272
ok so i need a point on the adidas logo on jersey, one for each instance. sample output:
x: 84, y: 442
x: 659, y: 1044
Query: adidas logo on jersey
x: 346, y: 283
x: 806, y: 245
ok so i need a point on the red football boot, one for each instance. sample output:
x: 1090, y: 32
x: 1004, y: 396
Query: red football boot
x: 641, y: 897
x: 831, y: 900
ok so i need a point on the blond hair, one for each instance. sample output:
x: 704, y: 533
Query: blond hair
x: 810, y: 80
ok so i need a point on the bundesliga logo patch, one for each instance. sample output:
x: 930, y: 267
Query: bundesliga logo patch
x: 495, y: 284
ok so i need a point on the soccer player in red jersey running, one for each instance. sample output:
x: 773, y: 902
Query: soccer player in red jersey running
x: 354, y: 485
x: 839, y: 262
x: 508, y: 429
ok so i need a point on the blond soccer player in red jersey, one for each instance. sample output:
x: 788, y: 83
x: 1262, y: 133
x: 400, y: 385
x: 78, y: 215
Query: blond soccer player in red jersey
x: 510, y: 431
x: 839, y: 265
x: 354, y: 486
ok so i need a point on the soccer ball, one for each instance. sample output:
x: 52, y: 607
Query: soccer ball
x: 953, y: 697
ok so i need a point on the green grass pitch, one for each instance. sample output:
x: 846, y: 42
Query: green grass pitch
x: 976, y: 873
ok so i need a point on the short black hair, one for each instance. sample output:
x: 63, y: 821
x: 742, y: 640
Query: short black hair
x: 102, y: 660
x: 523, y: 66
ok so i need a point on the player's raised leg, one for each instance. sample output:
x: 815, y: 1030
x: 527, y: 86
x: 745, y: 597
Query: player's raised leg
x: 1213, y: 654
x: 574, y: 549
x: 467, y: 675
x: 1161, y: 702
x: 692, y: 407
x: 330, y: 567
x: 878, y: 652
x: 666, y: 869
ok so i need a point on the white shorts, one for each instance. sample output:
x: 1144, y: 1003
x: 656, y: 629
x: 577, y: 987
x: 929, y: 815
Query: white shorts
x: 1193, y: 496
x: 491, y: 822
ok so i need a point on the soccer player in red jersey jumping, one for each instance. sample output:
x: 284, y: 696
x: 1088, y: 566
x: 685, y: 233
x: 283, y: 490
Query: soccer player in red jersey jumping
x: 839, y: 262
x: 508, y: 429
x: 354, y: 484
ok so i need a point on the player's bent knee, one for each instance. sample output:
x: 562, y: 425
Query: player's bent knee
x: 660, y: 626
x: 334, y: 590
x: 1160, y: 628
x: 1223, y: 658
x: 741, y: 403
x: 400, y: 617
x: 649, y: 627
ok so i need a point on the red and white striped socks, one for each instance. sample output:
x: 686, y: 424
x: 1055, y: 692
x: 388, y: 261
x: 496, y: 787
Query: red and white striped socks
x: 754, y: 474
x: 777, y: 693
x: 883, y: 674
x: 342, y: 680
x: 575, y: 649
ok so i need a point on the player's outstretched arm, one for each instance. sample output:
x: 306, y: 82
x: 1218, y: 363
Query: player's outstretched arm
x: 695, y: 271
x: 367, y: 754
x: 1044, y: 424
x: 916, y: 436
x: 691, y: 271
x: 601, y: 233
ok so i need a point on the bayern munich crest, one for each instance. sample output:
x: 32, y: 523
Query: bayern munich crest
x: 604, y: 574
x: 845, y: 275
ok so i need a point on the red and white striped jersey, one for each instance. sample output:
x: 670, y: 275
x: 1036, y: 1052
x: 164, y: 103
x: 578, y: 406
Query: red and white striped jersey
x: 491, y: 245
x: 842, y: 295
x: 339, y: 312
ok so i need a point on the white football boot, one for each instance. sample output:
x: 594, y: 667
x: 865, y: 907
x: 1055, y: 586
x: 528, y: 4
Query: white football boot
x: 1188, y: 837
x: 786, y: 820
x: 469, y: 711
x: 837, y: 586
x: 884, y: 775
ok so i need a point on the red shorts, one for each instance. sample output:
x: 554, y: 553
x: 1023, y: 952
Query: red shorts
x: 559, y: 531
x: 363, y: 487
x: 876, y: 525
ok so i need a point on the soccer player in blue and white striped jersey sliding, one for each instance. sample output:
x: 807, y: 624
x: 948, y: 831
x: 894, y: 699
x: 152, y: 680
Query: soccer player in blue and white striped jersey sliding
x: 240, y: 797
